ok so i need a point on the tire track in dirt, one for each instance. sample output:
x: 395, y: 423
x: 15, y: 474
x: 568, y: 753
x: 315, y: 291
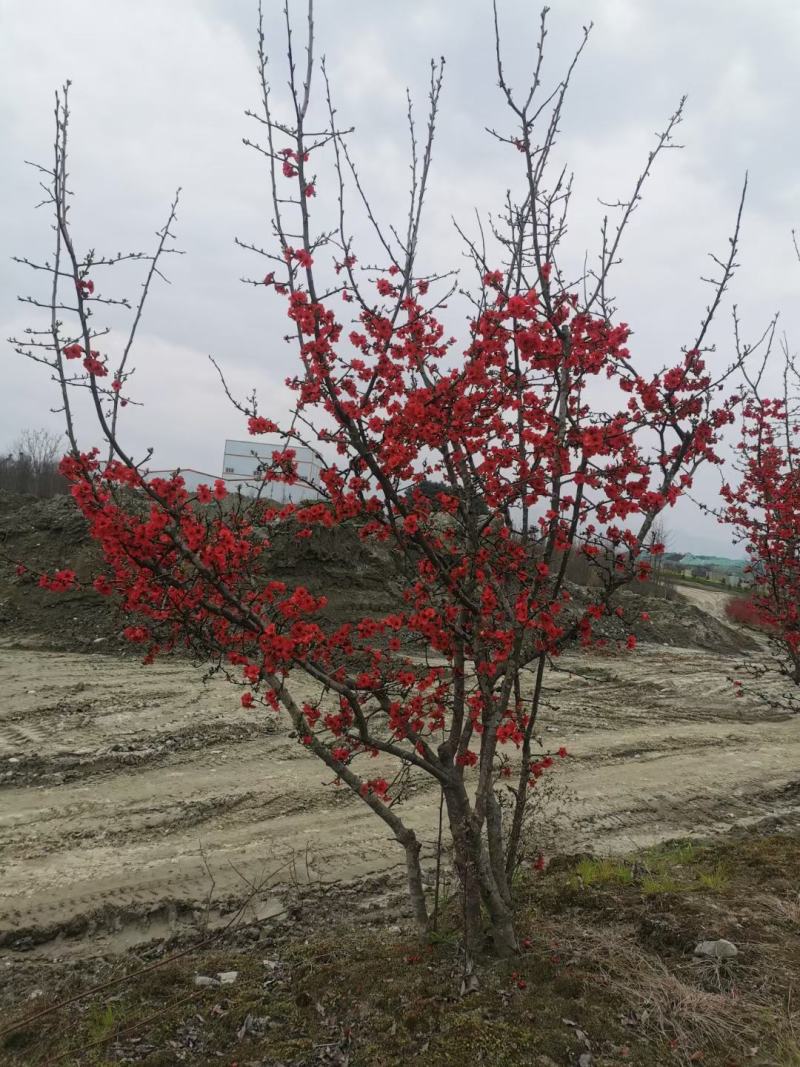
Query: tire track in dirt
x: 127, y: 850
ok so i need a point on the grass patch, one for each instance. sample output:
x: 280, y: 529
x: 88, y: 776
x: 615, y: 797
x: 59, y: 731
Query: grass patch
x: 715, y: 880
x: 101, y: 1021
x: 654, y: 884
x: 677, y: 867
x: 603, y: 871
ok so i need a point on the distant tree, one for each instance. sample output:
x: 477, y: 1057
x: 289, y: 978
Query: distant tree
x: 764, y: 507
x: 31, y: 465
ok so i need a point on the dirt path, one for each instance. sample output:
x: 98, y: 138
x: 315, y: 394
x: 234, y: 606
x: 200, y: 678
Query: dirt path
x: 711, y: 601
x: 124, y: 791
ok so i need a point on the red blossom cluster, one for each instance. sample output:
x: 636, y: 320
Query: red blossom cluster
x: 60, y: 582
x: 764, y: 511
x: 508, y: 422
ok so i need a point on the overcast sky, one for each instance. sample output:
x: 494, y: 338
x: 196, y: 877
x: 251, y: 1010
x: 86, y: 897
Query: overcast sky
x: 159, y: 91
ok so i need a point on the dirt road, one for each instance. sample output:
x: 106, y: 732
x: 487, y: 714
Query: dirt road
x: 129, y: 796
x: 712, y: 601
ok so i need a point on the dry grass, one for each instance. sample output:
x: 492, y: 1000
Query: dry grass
x: 674, y: 1002
x: 787, y: 909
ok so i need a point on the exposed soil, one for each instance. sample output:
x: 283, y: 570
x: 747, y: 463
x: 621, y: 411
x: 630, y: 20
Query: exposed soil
x: 47, y: 535
x: 131, y: 795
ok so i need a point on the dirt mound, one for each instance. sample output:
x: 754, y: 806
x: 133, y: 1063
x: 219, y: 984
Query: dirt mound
x: 672, y: 622
x: 47, y: 535
x: 358, y: 580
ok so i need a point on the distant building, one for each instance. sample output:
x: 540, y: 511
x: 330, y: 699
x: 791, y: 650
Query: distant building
x: 736, y: 581
x: 725, y: 571
x: 243, y: 463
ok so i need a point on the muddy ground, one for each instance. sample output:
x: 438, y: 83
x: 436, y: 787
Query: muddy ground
x: 137, y: 802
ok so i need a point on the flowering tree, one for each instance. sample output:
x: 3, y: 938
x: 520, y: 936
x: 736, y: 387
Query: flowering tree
x: 764, y: 507
x: 546, y: 440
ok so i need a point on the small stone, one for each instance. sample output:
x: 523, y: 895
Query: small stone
x: 717, y: 950
x: 257, y: 1025
x: 227, y: 977
x: 204, y: 980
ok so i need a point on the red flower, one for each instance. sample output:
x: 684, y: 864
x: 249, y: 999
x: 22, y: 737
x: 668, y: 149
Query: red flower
x: 137, y: 634
x: 95, y: 367
x: 256, y: 424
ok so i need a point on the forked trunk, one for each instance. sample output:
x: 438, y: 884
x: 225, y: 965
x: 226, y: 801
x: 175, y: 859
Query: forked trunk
x: 478, y: 884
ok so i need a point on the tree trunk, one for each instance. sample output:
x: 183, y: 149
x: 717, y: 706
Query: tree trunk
x: 504, y: 937
x: 466, y: 868
x: 478, y: 882
x: 501, y: 919
x: 521, y: 801
x: 494, y: 835
x: 414, y: 871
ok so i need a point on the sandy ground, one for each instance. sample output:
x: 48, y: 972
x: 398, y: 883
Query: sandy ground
x: 712, y: 601
x: 130, y: 797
